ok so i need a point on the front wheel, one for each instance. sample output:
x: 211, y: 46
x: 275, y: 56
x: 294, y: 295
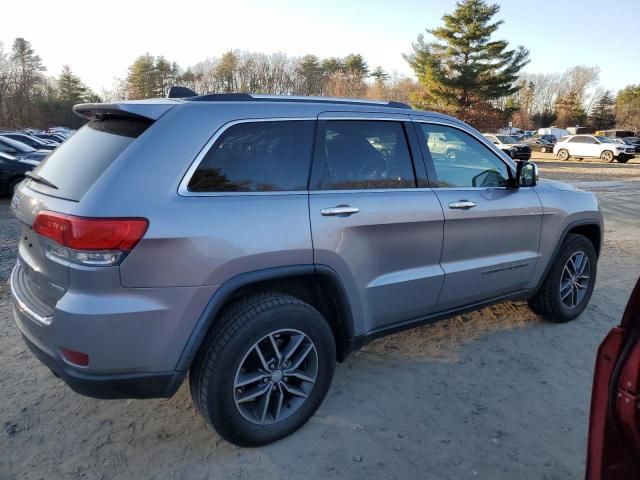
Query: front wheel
x: 563, y: 154
x: 264, y: 370
x: 607, y: 156
x: 543, y: 150
x: 622, y: 160
x: 568, y: 286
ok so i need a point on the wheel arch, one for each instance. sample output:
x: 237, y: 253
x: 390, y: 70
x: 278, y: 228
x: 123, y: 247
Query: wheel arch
x: 590, y: 229
x: 317, y: 285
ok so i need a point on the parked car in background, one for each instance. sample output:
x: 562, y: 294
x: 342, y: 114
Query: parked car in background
x: 635, y: 141
x: 584, y: 146
x: 12, y: 172
x: 263, y: 253
x: 548, y: 137
x: 33, y: 142
x: 539, y: 144
x: 510, y: 145
x: 53, y: 137
x: 20, y: 150
x: 613, y: 447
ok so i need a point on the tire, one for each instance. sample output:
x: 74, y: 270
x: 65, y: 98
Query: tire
x: 622, y: 160
x: 543, y: 150
x: 548, y: 301
x: 218, y: 387
x: 563, y: 154
x: 607, y: 156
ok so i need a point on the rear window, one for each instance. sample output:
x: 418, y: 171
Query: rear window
x: 76, y: 164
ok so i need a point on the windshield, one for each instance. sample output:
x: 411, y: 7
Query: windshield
x: 19, y: 146
x: 506, y: 139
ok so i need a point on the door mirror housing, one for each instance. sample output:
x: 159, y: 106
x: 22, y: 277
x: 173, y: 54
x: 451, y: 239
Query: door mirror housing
x: 526, y: 174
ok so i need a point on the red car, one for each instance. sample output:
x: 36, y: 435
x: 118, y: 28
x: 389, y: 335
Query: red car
x: 614, y: 424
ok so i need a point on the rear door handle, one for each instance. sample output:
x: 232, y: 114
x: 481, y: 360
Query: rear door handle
x: 339, y: 210
x: 462, y: 205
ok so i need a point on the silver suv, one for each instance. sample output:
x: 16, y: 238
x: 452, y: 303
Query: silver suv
x: 251, y: 242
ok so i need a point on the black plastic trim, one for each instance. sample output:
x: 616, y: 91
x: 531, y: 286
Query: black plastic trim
x: 360, y: 341
x: 227, y: 289
x: 111, y: 386
x: 556, y: 250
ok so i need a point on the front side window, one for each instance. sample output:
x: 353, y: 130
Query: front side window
x: 362, y: 154
x: 462, y: 161
x: 257, y: 157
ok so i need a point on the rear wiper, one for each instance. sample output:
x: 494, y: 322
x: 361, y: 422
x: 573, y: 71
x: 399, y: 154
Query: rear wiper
x: 37, y: 178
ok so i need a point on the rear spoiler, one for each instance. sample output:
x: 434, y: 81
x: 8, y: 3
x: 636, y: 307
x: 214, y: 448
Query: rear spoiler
x: 147, y: 109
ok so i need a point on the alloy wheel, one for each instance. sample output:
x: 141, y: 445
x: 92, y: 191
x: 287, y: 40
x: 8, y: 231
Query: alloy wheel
x: 575, y: 279
x: 275, y: 377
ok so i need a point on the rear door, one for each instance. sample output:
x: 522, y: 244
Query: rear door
x: 491, y: 230
x: 370, y: 223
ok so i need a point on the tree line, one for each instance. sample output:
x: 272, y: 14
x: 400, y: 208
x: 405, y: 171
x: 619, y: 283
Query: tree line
x: 462, y: 71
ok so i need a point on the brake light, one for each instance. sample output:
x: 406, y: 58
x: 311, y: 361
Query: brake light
x: 89, y: 241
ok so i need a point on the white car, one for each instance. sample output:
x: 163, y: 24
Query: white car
x: 583, y: 146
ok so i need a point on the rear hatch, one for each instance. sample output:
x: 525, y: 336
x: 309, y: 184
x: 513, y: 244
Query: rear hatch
x: 58, y: 185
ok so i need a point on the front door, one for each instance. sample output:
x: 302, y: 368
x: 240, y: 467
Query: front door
x: 491, y: 231
x: 369, y: 221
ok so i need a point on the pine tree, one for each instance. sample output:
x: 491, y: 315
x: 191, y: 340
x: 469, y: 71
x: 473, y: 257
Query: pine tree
x: 71, y: 90
x: 141, y: 80
x: 464, y: 66
x: 603, y: 116
x: 569, y: 110
x: 380, y: 76
x: 310, y: 72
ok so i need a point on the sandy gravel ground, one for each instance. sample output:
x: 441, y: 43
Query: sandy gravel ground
x: 497, y: 394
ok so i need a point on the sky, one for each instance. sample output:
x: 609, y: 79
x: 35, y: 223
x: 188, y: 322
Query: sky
x: 99, y: 40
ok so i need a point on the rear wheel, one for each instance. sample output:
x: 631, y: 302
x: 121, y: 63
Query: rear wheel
x: 607, y: 156
x: 264, y: 370
x: 563, y: 154
x: 568, y: 286
x: 543, y: 150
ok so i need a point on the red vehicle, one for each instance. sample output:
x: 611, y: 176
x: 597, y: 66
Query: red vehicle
x: 614, y: 424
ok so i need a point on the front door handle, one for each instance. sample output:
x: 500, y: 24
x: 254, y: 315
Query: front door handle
x: 339, y: 210
x: 462, y: 205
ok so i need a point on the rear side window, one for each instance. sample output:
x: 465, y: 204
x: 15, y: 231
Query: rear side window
x: 76, y: 164
x: 362, y: 154
x: 257, y: 157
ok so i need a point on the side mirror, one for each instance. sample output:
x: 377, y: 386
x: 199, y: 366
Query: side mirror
x: 526, y: 174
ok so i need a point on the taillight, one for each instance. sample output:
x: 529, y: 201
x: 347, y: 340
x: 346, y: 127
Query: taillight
x: 89, y: 241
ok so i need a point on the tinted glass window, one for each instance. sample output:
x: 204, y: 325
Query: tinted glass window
x: 257, y: 157
x: 462, y: 161
x: 362, y: 154
x: 577, y: 140
x: 78, y: 163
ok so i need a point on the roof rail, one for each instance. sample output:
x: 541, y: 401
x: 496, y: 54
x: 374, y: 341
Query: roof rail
x: 247, y: 97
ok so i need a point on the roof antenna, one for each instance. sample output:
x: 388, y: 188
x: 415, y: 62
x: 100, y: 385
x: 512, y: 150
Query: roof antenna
x: 180, y: 92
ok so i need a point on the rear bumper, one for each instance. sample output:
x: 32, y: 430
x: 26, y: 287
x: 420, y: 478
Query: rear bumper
x: 133, y: 337
x: 154, y: 385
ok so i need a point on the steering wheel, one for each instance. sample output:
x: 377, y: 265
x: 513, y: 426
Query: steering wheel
x: 376, y: 168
